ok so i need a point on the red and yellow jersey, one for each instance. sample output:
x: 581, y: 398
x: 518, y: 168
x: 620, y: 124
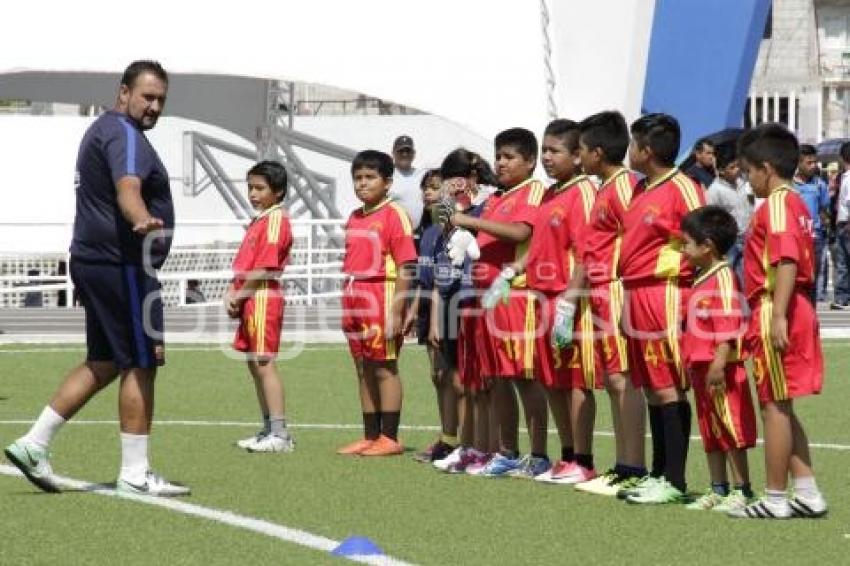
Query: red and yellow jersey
x: 378, y: 241
x: 652, y: 239
x: 781, y: 229
x: 558, y: 238
x: 714, y: 316
x: 604, y: 233
x: 266, y: 244
x: 518, y: 204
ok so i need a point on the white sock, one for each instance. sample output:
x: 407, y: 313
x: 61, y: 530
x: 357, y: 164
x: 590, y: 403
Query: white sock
x: 134, y: 457
x: 45, y: 428
x: 806, y: 487
x: 776, y: 497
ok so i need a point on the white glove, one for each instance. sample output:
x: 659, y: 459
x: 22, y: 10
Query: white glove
x: 562, y: 329
x: 499, y: 290
x: 462, y: 244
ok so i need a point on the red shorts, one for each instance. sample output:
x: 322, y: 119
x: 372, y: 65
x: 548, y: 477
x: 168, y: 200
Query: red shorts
x: 727, y: 420
x: 606, y: 302
x: 261, y: 321
x: 508, y: 336
x: 366, y: 309
x: 468, y: 344
x: 578, y: 365
x: 799, y: 370
x: 653, y: 330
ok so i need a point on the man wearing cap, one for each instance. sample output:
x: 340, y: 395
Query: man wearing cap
x: 405, y: 188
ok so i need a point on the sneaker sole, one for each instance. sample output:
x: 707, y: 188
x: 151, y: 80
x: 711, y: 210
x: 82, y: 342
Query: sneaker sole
x: 41, y: 483
x: 799, y: 510
x: 133, y: 491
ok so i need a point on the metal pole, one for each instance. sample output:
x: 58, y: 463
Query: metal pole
x: 792, y: 111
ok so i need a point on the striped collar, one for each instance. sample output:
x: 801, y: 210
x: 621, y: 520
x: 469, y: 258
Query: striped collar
x: 268, y: 211
x: 711, y: 271
x: 518, y: 187
x: 616, y: 174
x: 561, y: 187
x: 375, y: 208
x: 663, y: 179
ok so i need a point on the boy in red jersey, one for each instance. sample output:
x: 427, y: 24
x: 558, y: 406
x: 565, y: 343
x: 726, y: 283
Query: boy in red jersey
x: 783, y: 336
x: 602, y: 147
x: 567, y: 368
x: 256, y: 299
x: 378, y: 250
x: 506, y: 355
x: 713, y: 353
x: 656, y: 277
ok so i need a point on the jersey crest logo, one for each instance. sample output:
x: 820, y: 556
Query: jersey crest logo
x: 507, y: 207
x: 376, y: 227
x: 650, y: 213
x: 557, y: 217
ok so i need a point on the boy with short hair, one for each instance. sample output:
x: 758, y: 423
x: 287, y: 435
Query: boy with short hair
x: 602, y: 147
x: 506, y: 355
x: 256, y: 299
x: 812, y: 188
x: 783, y: 336
x: 657, y: 278
x: 378, y: 252
x: 713, y: 353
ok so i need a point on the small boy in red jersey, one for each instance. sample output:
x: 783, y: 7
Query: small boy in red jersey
x: 784, y: 335
x: 506, y: 351
x: 656, y: 278
x: 567, y: 367
x: 713, y: 353
x: 602, y: 147
x: 379, y: 253
x: 256, y: 299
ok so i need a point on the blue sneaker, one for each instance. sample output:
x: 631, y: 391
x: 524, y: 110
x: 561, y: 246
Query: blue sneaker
x: 500, y: 465
x: 530, y: 467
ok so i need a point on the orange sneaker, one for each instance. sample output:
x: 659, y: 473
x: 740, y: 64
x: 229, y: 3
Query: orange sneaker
x: 384, y: 446
x: 356, y: 448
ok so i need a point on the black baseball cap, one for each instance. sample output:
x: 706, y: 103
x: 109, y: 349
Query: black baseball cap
x: 402, y: 142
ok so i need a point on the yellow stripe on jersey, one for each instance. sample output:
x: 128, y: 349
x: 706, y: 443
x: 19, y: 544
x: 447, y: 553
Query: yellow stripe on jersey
x: 406, y: 225
x: 260, y: 307
x: 390, y: 268
x: 624, y: 189
x: 669, y: 259
x: 775, y: 369
x: 529, y: 338
x: 688, y: 191
x: 776, y: 206
x: 571, y: 262
x: 588, y: 195
x: 727, y: 289
x: 672, y: 315
x: 588, y: 367
x: 273, y: 226
x: 535, y: 194
x: 389, y: 344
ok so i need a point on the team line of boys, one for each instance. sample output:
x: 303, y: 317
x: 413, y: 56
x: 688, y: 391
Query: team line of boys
x: 514, y: 282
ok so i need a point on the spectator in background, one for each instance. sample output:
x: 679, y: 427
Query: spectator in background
x: 194, y: 295
x: 815, y: 193
x: 703, y: 169
x: 406, y: 179
x: 33, y: 298
x: 728, y: 191
x: 841, y: 297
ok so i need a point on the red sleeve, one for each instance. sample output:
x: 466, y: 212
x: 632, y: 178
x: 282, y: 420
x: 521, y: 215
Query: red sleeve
x: 400, y: 238
x: 273, y: 243
x: 783, y: 232
x: 580, y: 220
x: 727, y: 324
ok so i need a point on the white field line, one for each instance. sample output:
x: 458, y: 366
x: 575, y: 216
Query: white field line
x: 352, y: 426
x: 200, y: 348
x: 295, y: 536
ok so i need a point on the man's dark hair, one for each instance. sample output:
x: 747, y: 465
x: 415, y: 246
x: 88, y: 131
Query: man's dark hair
x: 609, y: 132
x: 725, y: 154
x: 771, y: 143
x: 565, y: 130
x: 136, y: 68
x: 701, y: 143
x: 661, y: 133
x: 711, y: 223
x: 274, y: 173
x: 844, y: 152
x: 374, y: 159
x: 807, y: 149
x: 463, y: 163
x: 520, y: 139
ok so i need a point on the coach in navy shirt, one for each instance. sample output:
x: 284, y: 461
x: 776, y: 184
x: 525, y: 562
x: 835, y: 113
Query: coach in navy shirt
x: 122, y: 234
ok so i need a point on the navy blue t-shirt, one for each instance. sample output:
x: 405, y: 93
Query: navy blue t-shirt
x: 448, y: 278
x: 114, y: 147
x: 427, y: 247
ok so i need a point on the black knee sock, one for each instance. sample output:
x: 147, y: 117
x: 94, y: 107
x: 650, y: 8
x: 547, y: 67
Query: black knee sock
x: 656, y: 429
x: 676, y: 442
x: 371, y: 425
x: 585, y: 461
x: 389, y: 424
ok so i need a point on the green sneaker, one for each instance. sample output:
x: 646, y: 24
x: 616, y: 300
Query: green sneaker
x: 635, y: 486
x: 659, y: 493
x: 34, y: 462
x: 735, y: 501
x: 707, y: 501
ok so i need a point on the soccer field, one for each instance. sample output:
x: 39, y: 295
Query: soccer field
x: 205, y: 402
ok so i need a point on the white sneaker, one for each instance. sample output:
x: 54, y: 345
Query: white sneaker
x: 246, y: 442
x: 763, y: 509
x: 453, y: 458
x: 808, y: 507
x: 155, y: 485
x: 272, y: 443
x: 34, y: 462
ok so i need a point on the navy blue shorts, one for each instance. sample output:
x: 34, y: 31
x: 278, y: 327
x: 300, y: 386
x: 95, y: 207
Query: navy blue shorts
x: 124, y: 322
